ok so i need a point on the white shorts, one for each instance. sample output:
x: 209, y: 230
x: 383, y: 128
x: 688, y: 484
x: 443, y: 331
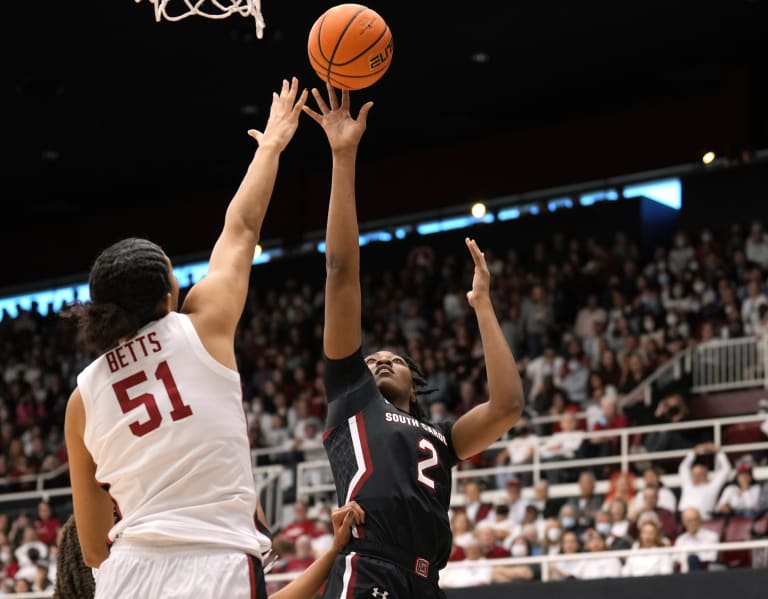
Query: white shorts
x: 170, y: 572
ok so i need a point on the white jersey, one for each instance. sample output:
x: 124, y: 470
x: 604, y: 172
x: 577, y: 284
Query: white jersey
x: 166, y: 428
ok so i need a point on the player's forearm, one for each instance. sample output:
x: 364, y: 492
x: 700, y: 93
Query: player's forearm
x: 504, y: 384
x: 251, y: 200
x: 308, y: 584
x: 342, y: 246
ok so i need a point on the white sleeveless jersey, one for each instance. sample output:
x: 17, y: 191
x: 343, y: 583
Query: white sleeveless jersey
x: 166, y: 428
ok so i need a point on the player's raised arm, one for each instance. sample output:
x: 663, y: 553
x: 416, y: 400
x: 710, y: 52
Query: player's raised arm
x: 342, y: 333
x: 486, y: 423
x: 216, y: 303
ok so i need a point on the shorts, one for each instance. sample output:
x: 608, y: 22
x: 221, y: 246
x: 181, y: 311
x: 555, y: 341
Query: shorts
x: 134, y: 571
x: 357, y: 576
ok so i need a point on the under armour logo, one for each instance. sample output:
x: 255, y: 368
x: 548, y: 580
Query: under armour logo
x: 377, y: 593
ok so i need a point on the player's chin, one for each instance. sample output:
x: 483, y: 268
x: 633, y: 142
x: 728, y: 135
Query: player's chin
x: 388, y: 385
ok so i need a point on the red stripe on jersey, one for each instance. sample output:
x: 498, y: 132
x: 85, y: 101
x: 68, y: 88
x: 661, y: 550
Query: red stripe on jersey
x: 352, y: 578
x: 367, y: 466
x: 328, y: 432
x: 251, y: 575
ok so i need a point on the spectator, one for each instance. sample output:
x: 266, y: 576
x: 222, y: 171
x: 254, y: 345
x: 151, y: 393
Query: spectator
x: 698, y: 489
x: 650, y: 537
x: 621, y: 486
x: 604, y: 525
x: 568, y: 519
x: 570, y: 545
x: 562, y: 445
x: 513, y: 328
x: 541, y: 500
x: 538, y: 318
x: 588, y: 503
x: 489, y: 546
x: 667, y: 520
x: 696, y: 535
x: 618, y: 509
x: 609, y: 419
x: 30, y: 540
x: 521, y: 547
x: 553, y: 533
x: 473, y: 571
x: 302, y: 557
x: 517, y: 452
x: 750, y: 307
x: 462, y: 529
x: 301, y: 524
x: 475, y: 508
x: 574, y: 372
x: 756, y: 246
x: 592, y: 312
x: 543, y: 367
x: 652, y: 478
x: 672, y: 409
x: 47, y: 524
x: 742, y: 497
x: 604, y: 567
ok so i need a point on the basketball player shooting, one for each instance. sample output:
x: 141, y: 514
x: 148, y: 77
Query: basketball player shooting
x: 156, y: 423
x: 383, y: 453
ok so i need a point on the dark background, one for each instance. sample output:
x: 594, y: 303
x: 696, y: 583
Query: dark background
x: 116, y: 125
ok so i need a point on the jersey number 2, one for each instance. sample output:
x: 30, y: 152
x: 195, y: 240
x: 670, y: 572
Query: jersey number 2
x: 426, y: 463
x: 127, y: 403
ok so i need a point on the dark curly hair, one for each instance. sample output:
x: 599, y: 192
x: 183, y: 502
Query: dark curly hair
x: 74, y: 580
x: 127, y: 282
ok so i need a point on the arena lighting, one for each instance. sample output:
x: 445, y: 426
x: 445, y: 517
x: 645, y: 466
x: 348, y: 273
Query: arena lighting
x: 668, y: 192
x: 450, y: 224
x: 708, y: 158
x: 478, y: 210
x: 664, y: 191
x: 590, y: 198
x: 559, y: 203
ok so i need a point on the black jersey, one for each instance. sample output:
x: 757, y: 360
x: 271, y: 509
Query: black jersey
x: 397, y: 467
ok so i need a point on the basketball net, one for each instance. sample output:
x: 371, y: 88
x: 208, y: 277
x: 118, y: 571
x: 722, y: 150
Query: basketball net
x: 210, y: 9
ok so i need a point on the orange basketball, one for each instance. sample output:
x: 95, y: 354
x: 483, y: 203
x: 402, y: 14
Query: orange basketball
x: 350, y: 46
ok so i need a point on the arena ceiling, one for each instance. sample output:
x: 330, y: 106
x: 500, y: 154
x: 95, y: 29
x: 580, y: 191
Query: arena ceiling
x: 104, y: 105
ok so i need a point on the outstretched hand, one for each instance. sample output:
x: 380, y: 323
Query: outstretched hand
x: 481, y: 282
x: 283, y: 116
x: 343, y: 131
x: 343, y: 519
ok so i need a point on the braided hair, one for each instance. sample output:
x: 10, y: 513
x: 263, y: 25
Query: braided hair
x: 420, y: 385
x: 74, y: 580
x: 127, y: 282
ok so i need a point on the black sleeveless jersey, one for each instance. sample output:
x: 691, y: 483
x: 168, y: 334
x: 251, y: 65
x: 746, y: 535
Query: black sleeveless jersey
x: 398, y: 468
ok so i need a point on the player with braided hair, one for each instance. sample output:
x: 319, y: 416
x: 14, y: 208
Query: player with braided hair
x: 156, y: 426
x: 383, y: 453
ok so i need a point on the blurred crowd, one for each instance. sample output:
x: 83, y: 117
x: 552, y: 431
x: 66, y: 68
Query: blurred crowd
x: 588, y: 320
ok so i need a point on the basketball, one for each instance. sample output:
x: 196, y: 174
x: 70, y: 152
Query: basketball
x: 350, y: 46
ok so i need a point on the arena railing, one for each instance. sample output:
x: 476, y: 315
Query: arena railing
x: 38, y: 479
x: 546, y: 561
x: 726, y: 364
x: 309, y: 472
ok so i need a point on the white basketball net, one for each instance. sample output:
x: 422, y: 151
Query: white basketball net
x: 210, y: 9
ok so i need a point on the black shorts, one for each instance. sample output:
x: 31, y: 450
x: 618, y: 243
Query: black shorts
x: 356, y: 576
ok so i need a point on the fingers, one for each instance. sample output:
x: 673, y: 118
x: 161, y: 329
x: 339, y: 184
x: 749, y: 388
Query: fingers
x: 363, y: 116
x: 318, y: 118
x: 345, y: 99
x: 257, y: 135
x: 332, y: 96
x: 350, y: 510
x: 299, y: 106
x: 320, y: 102
x: 477, y: 256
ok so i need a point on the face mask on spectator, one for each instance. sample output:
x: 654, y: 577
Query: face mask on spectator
x: 699, y: 286
x: 648, y: 325
x: 604, y: 528
x: 519, y: 550
x: 568, y: 522
x: 671, y: 320
x: 663, y: 278
x: 554, y: 534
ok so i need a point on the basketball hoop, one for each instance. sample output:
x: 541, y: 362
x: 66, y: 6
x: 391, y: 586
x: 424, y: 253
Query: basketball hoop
x: 210, y: 9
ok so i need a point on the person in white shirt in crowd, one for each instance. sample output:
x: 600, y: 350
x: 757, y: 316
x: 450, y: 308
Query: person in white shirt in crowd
x: 29, y: 540
x: 562, y: 445
x: 742, y: 496
x: 521, y: 547
x: 553, y: 534
x: 618, y: 510
x: 605, y: 567
x: 756, y: 246
x: 604, y: 525
x: 569, y: 545
x: 473, y: 571
x: 546, y: 366
x: 750, y: 306
x: 695, y: 535
x: 698, y: 488
x: 462, y: 529
x: 640, y: 564
x: 475, y: 508
x: 584, y: 326
x: 652, y: 478
x: 515, y: 500
x: 518, y: 451
x: 504, y: 527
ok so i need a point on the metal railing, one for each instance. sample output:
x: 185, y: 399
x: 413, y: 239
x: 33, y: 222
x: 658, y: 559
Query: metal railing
x: 538, y: 465
x: 546, y: 561
x: 724, y: 364
x: 38, y: 479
